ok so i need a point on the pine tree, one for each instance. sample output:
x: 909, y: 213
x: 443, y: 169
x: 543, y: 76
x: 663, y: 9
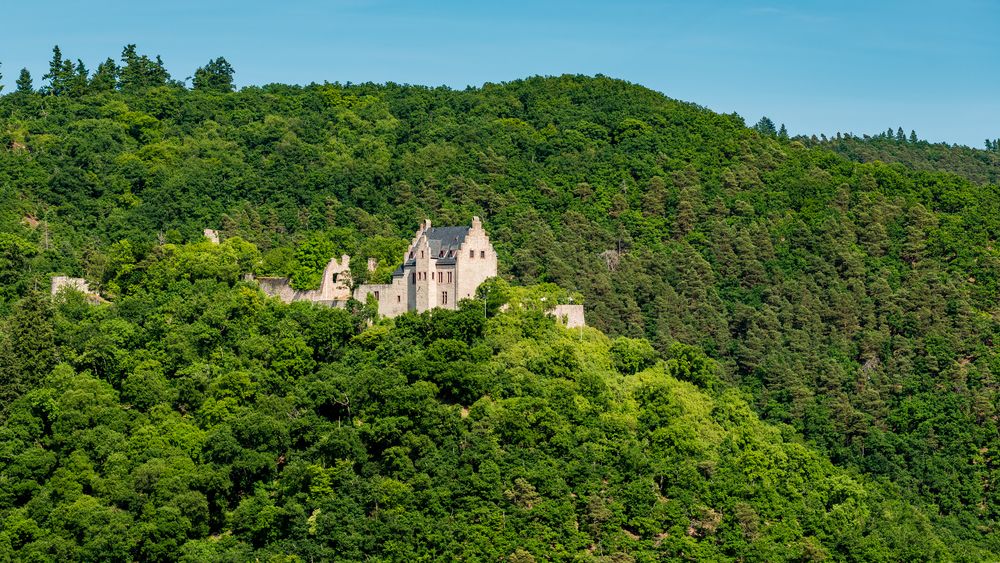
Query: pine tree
x: 141, y: 72
x: 24, y: 82
x: 105, y: 78
x: 61, y: 72
x: 913, y: 136
x: 215, y: 76
x: 783, y: 133
x: 900, y: 136
x: 765, y: 126
x: 78, y: 80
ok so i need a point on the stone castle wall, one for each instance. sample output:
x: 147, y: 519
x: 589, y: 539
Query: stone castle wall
x: 334, y: 289
x: 569, y: 315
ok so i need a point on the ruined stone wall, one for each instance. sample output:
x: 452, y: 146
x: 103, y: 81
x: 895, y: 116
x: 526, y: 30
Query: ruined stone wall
x: 393, y: 298
x: 60, y: 283
x: 334, y: 289
x: 77, y: 284
x: 570, y: 316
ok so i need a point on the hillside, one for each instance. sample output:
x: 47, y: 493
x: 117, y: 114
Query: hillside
x: 196, y: 419
x: 853, y: 304
x: 980, y: 166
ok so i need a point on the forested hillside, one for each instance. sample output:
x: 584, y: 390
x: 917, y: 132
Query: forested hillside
x: 980, y: 166
x: 853, y: 304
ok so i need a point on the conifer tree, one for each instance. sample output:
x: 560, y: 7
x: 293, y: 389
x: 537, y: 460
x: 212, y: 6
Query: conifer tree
x: 783, y: 133
x: 61, y: 73
x: 105, y: 78
x: 913, y: 136
x: 765, y: 126
x: 900, y: 136
x: 140, y: 72
x: 24, y: 82
x: 216, y: 76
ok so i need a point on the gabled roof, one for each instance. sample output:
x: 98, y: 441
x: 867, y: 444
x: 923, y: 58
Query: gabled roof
x: 446, y: 239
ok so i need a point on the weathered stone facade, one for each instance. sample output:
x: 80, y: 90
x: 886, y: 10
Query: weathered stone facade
x: 571, y: 316
x: 60, y: 283
x: 334, y: 289
x: 442, y: 266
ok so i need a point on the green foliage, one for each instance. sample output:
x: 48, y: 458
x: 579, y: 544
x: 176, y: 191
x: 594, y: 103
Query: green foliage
x: 629, y: 355
x: 844, y: 289
x: 311, y: 258
x: 206, y: 422
x: 216, y: 76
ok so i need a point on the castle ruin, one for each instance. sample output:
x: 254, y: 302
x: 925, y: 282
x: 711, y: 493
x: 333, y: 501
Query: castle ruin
x: 442, y: 266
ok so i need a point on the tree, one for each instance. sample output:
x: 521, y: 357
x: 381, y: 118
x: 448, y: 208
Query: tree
x: 783, y: 133
x: 900, y: 136
x: 61, y: 73
x: 913, y: 136
x: 216, y: 76
x: 766, y: 127
x: 24, y: 82
x: 141, y: 72
x: 105, y: 78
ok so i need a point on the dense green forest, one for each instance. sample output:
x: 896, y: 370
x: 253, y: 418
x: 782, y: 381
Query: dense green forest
x: 801, y: 360
x: 980, y: 166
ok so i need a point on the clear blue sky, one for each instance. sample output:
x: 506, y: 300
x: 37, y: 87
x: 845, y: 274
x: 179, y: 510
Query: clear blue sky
x: 819, y: 67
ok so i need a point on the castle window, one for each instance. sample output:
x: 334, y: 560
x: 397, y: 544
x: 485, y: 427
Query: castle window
x: 444, y: 297
x: 449, y: 277
x: 376, y: 296
x: 411, y: 256
x: 472, y: 254
x: 399, y: 298
x: 482, y: 254
x: 451, y: 253
x: 421, y: 253
x: 440, y: 277
x: 440, y: 254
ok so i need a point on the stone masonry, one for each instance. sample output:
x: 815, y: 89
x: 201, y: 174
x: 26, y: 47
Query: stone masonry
x: 441, y: 266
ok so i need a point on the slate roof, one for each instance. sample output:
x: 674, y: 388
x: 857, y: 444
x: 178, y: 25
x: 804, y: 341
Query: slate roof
x: 440, y: 239
x: 445, y: 238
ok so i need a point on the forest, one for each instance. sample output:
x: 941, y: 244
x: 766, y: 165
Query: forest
x: 791, y: 352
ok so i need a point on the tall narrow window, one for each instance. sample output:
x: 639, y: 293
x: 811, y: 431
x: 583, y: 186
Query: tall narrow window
x: 444, y: 297
x: 421, y: 253
x: 449, y: 277
x: 472, y: 254
x: 482, y: 254
x: 440, y: 277
x: 399, y: 298
x: 376, y: 296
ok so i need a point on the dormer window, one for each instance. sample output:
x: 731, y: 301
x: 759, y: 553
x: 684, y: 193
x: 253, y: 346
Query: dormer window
x: 440, y: 254
x: 451, y: 253
x: 411, y: 256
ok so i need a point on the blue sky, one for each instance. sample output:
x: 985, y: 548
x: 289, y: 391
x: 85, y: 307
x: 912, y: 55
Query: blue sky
x: 818, y: 67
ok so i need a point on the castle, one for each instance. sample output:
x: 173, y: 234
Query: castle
x: 441, y: 266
